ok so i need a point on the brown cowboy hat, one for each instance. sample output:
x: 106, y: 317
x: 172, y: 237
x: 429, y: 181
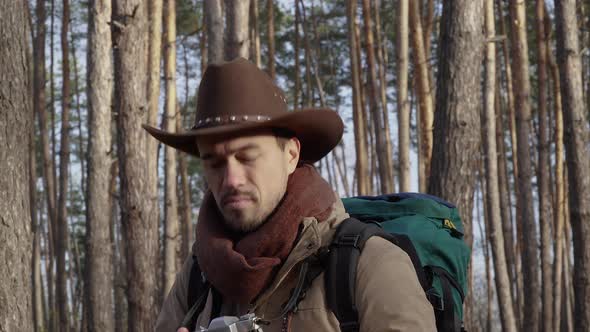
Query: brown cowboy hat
x: 236, y: 97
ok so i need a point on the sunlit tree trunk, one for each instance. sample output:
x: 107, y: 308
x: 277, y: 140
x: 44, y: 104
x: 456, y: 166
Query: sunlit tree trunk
x: 236, y: 31
x: 214, y: 22
x: 360, y: 138
x: 138, y: 199
x: 171, y: 234
x: 383, y: 154
x: 494, y: 224
x: 522, y: 92
x: 64, y: 159
x: 577, y: 138
x: 155, y: 8
x: 425, y: 101
x: 16, y: 124
x: 403, y: 106
x: 100, y: 97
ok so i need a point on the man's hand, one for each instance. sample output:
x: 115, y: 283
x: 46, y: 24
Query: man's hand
x: 182, y: 329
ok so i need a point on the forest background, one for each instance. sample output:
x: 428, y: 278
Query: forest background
x: 482, y: 102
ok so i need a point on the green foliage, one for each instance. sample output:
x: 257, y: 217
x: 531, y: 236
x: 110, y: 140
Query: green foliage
x: 188, y: 18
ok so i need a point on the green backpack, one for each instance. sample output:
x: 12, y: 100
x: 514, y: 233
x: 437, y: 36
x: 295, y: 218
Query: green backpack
x: 427, y: 228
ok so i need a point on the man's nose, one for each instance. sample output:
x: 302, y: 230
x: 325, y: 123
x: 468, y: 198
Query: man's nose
x: 234, y: 175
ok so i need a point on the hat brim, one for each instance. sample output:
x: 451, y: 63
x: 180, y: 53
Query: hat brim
x: 318, y: 130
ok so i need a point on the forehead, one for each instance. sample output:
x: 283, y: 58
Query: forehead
x: 210, y: 146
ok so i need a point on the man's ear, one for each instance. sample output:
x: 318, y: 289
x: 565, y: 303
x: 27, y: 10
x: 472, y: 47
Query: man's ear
x: 292, y: 150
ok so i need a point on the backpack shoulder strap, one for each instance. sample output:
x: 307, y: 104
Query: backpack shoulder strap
x: 197, y: 292
x: 340, y: 277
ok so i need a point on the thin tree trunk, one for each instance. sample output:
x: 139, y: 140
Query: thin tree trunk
x: 81, y: 140
x: 64, y: 158
x: 138, y: 199
x: 271, y: 38
x: 100, y: 96
x: 494, y: 224
x: 522, y: 91
x: 37, y: 296
x: 505, y: 196
x: 214, y: 22
x: 384, y: 161
x: 53, y: 135
x: 403, y: 106
x: 185, y: 202
x: 381, y: 68
x: 15, y: 127
x: 577, y: 138
x: 155, y: 8
x: 236, y: 32
x: 308, y: 100
x: 171, y: 238
x: 254, y: 33
x: 297, y: 92
x: 424, y: 96
x: 543, y: 171
x: 358, y: 114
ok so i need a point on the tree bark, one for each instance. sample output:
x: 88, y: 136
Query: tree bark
x: 171, y: 239
x: 297, y: 92
x: 360, y: 137
x: 494, y: 224
x: 100, y: 96
x: 236, y: 32
x: 185, y: 202
x: 543, y: 170
x: 155, y: 8
x: 403, y: 106
x: 271, y: 38
x: 254, y: 34
x: 577, y: 138
x: 16, y: 124
x: 384, y: 155
x: 214, y: 22
x: 522, y: 91
x: 138, y: 199
x: 457, y: 121
x: 422, y: 77
x: 64, y: 159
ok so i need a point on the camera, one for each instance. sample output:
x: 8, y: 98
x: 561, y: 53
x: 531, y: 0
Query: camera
x: 246, y: 323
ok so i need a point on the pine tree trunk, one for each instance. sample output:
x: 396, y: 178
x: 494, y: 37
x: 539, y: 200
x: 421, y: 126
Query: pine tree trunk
x: 384, y: 163
x: 254, y: 34
x: 360, y: 138
x: 297, y: 92
x: 64, y: 159
x: 214, y: 22
x: 16, y: 124
x: 543, y: 171
x: 138, y: 199
x: 382, y: 67
x: 155, y: 9
x: 271, y: 38
x: 171, y: 238
x: 577, y: 138
x: 424, y: 96
x: 494, y: 224
x: 37, y: 294
x: 505, y: 196
x: 100, y: 95
x: 457, y: 121
x: 185, y: 202
x: 236, y: 32
x: 402, y: 98
x: 522, y: 92
x: 81, y: 149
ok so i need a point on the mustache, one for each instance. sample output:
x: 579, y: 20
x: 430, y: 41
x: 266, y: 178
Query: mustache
x: 228, y: 196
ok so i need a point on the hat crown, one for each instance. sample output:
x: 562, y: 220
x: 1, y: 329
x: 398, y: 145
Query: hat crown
x: 237, y: 91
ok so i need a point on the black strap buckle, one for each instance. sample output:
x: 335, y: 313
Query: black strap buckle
x: 437, y: 301
x: 348, y: 240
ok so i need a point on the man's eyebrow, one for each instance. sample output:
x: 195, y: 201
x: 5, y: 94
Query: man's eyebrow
x: 249, y: 146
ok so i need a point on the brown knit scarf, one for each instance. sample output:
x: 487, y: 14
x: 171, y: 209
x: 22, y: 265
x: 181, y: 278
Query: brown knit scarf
x: 240, y: 266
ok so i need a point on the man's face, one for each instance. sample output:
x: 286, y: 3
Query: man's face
x: 248, y: 176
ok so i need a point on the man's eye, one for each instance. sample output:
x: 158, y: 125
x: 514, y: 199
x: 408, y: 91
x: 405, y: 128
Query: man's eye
x: 247, y: 158
x: 215, y: 164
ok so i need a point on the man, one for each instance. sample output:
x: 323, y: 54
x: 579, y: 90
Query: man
x: 267, y: 210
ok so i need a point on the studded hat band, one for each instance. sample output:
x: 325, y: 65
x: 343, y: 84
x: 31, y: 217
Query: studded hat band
x: 222, y: 120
